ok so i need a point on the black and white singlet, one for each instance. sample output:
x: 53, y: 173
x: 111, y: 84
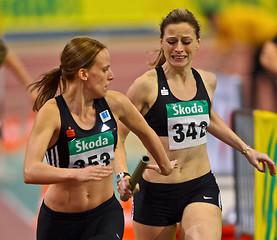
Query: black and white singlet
x: 78, y: 148
x: 184, y: 122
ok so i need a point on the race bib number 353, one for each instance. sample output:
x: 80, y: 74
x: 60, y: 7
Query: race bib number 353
x: 187, y: 123
x: 92, y: 150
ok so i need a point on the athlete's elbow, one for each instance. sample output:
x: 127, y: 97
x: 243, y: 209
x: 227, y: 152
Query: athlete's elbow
x: 28, y: 175
x: 27, y: 178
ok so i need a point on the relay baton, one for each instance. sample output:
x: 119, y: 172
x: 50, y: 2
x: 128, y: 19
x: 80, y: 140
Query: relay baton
x: 137, y: 174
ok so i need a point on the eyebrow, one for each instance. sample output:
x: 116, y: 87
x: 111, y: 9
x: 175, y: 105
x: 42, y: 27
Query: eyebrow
x: 106, y: 66
x: 190, y: 37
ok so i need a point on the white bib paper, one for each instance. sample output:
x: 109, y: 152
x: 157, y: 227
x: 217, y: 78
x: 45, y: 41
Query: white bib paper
x: 93, y: 150
x: 187, y: 124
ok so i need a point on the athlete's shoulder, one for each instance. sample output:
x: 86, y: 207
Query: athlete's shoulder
x: 118, y: 103
x: 113, y: 95
x: 50, y: 105
x: 149, y: 76
x: 49, y: 114
x: 206, y: 75
x: 144, y: 84
x: 115, y: 98
x: 49, y: 110
x: 209, y: 79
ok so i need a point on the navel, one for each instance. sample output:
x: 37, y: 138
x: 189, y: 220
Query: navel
x: 88, y: 195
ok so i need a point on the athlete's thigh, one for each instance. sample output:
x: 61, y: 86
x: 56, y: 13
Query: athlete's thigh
x: 108, y: 224
x: 57, y: 225
x: 201, y: 221
x: 146, y: 232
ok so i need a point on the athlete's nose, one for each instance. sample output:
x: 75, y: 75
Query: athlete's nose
x: 111, y: 76
x: 179, y: 48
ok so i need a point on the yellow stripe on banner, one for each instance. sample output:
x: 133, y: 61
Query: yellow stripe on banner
x: 31, y: 16
x: 265, y: 140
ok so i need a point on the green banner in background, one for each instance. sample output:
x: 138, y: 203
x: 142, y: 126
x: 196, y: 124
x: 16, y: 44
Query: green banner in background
x: 21, y: 16
x: 28, y: 16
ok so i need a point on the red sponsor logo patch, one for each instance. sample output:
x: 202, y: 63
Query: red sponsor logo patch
x: 70, y: 132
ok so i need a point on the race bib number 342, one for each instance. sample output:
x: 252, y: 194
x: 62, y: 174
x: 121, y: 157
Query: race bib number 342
x: 187, y: 123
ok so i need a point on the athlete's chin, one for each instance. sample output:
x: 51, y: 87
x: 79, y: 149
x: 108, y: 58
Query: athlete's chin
x: 105, y: 90
x: 178, y: 64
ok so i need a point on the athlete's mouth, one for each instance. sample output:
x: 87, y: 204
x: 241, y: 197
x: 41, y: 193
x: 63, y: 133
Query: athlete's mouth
x: 178, y: 57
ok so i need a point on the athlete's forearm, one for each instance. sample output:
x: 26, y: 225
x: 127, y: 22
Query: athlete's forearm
x: 41, y: 173
x: 120, y: 159
x: 153, y: 144
x: 219, y: 129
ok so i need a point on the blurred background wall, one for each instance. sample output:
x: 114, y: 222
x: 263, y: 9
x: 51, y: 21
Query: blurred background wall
x: 232, y: 33
x: 55, y: 16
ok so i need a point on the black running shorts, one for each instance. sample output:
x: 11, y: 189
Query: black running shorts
x: 101, y: 223
x: 159, y: 204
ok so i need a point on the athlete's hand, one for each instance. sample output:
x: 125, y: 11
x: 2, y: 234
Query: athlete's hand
x: 124, y: 186
x: 93, y: 173
x: 255, y: 158
x: 173, y: 163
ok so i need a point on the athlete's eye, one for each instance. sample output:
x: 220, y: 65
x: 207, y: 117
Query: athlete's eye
x: 105, y: 69
x: 186, y: 43
x: 171, y: 42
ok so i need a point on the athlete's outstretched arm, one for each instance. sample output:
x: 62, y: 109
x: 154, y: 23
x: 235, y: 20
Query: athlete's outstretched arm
x: 220, y: 130
x: 133, y: 120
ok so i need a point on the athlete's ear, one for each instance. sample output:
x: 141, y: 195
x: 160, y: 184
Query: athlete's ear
x: 198, y: 41
x: 83, y: 74
x: 161, y: 43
